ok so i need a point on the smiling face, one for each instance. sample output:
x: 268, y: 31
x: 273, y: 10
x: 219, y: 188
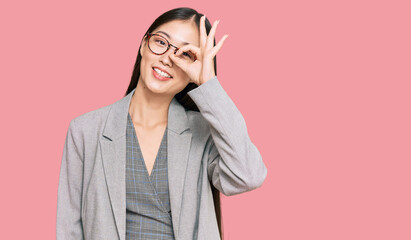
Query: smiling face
x: 179, y: 32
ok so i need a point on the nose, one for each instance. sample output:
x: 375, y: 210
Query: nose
x: 165, y: 58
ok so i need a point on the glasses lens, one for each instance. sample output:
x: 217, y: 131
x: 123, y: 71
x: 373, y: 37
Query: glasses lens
x: 158, y: 44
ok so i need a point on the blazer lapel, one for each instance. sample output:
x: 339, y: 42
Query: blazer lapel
x: 178, y: 148
x: 113, y: 151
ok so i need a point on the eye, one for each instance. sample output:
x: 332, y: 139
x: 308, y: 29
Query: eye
x: 188, y: 55
x: 161, y: 42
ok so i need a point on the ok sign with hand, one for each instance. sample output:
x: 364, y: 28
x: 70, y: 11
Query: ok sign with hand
x: 202, y: 69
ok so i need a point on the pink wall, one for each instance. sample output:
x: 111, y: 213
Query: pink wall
x: 325, y: 93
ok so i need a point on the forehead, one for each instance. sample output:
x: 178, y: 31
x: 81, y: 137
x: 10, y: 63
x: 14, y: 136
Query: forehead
x: 180, y: 32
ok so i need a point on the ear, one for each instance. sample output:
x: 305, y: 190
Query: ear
x: 143, y: 45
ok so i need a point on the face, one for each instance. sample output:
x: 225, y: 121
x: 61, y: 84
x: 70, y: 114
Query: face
x: 179, y: 33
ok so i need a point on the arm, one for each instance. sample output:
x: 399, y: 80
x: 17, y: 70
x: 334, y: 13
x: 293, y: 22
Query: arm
x: 235, y: 164
x: 69, y: 224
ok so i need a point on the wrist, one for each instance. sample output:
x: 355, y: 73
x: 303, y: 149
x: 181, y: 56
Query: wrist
x: 204, y: 80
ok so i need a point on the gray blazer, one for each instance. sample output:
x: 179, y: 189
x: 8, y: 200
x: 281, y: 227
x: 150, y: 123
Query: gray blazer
x: 210, y: 145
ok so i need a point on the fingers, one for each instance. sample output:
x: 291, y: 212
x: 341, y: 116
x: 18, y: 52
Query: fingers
x: 191, y: 48
x: 179, y: 62
x: 217, y: 48
x: 203, y: 32
x: 211, y: 34
x: 207, y: 42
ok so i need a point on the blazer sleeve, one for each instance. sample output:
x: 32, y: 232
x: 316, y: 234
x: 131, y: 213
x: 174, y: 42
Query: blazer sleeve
x: 234, y: 163
x: 69, y: 223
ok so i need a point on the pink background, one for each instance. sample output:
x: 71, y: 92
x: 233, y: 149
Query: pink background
x: 325, y: 93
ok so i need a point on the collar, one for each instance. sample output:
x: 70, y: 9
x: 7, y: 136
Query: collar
x: 116, y: 122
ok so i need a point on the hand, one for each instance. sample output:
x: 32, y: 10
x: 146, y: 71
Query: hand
x: 202, y: 69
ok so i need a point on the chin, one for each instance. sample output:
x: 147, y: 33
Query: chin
x: 158, y: 87
x: 168, y: 87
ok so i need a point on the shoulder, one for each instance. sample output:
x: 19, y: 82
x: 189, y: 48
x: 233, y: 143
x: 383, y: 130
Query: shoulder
x: 92, y: 117
x: 92, y: 122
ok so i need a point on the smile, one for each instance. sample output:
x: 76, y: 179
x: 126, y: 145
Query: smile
x: 162, y: 73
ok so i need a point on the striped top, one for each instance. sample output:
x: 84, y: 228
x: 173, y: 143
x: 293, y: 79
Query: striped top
x: 148, y: 213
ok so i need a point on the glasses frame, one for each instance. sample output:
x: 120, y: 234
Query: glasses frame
x: 168, y: 45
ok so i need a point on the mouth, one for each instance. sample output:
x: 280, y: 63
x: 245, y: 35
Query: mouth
x: 161, y: 74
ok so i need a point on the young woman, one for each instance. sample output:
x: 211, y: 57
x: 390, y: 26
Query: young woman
x: 152, y: 164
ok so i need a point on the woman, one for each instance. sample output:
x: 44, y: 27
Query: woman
x: 152, y: 164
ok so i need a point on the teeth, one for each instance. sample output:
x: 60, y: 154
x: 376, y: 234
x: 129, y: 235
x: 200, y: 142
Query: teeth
x: 161, y: 73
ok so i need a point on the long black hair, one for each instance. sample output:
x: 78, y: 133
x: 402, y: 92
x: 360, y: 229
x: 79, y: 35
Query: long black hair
x: 182, y: 97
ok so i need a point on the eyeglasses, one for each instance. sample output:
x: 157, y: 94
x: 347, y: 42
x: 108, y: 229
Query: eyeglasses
x: 160, y: 45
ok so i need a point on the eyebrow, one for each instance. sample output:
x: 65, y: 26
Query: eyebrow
x: 184, y: 43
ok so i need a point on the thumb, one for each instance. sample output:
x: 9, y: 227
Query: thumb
x: 180, y: 63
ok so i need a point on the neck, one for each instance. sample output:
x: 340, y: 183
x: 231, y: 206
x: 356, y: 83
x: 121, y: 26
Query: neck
x: 148, y: 109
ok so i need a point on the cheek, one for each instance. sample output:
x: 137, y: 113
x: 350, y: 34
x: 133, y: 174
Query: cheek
x: 145, y: 64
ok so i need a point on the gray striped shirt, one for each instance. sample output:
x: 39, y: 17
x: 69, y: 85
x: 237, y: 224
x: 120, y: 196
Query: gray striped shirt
x: 148, y: 213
